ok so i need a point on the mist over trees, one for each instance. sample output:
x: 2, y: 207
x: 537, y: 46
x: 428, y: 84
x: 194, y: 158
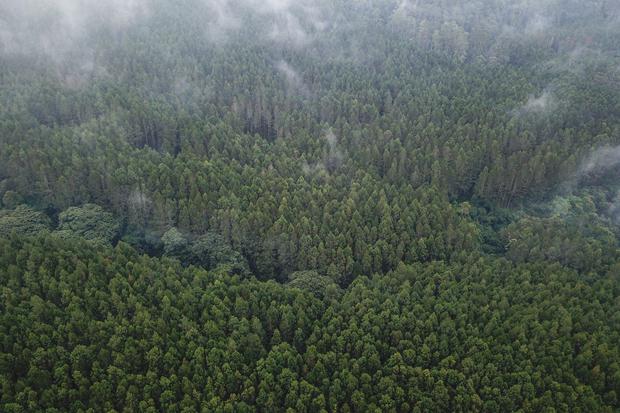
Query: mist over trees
x: 349, y: 205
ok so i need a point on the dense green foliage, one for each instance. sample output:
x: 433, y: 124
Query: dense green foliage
x: 86, y: 327
x: 89, y: 221
x: 349, y: 205
x: 23, y: 220
x: 308, y: 157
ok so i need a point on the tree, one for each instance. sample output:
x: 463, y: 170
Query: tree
x: 319, y: 285
x: 23, y: 220
x: 11, y: 199
x: 90, y: 221
x: 212, y: 251
x: 175, y: 244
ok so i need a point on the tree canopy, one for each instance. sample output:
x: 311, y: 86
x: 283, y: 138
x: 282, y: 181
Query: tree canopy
x: 310, y: 206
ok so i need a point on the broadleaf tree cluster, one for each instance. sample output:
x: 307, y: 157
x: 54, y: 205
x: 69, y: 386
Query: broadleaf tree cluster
x: 319, y: 206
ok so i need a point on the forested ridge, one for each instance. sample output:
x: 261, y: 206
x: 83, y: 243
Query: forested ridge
x: 103, y: 329
x: 211, y: 205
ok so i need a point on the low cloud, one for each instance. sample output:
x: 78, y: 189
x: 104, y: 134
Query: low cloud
x: 334, y: 157
x: 541, y: 103
x: 293, y: 79
x: 282, y: 21
x: 311, y: 169
x: 63, y: 33
x: 538, y: 104
x: 601, y: 161
x: 58, y: 27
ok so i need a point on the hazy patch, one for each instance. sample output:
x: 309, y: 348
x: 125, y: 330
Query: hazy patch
x: 542, y: 103
x: 614, y: 209
x: 282, y: 21
x: 601, y: 161
x: 56, y: 27
x: 293, y: 79
x: 64, y: 33
x: 311, y: 169
x: 334, y: 156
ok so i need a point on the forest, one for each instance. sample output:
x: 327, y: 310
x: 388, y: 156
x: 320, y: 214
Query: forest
x: 309, y: 206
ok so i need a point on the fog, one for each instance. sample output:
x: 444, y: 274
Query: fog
x: 538, y: 104
x: 304, y: 45
x: 334, y: 156
x: 614, y: 209
x: 56, y: 26
x: 293, y: 79
x: 282, y: 21
x: 601, y: 161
